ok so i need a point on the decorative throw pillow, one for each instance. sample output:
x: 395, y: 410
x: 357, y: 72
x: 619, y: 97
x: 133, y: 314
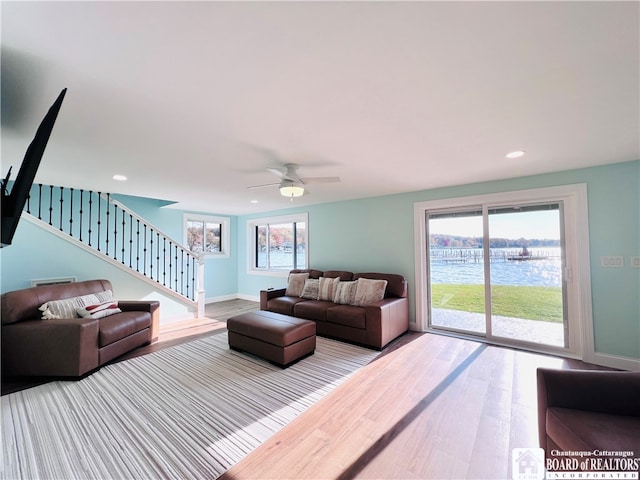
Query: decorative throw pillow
x: 369, y: 291
x: 327, y: 287
x: 66, y: 308
x: 296, y: 284
x: 310, y: 290
x: 345, y: 292
x: 99, y: 310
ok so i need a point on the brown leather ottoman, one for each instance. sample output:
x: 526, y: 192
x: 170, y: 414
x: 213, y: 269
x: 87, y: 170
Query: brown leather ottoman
x: 280, y: 339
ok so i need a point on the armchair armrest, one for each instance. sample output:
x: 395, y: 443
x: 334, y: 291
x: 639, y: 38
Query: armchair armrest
x: 266, y: 295
x: 61, y: 347
x: 151, y: 306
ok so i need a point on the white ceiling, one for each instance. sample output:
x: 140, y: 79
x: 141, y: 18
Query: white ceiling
x: 192, y: 101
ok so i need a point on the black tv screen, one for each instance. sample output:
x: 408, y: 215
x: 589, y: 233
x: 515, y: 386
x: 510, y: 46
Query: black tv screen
x: 13, y: 203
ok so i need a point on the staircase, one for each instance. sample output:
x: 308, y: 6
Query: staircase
x: 105, y: 227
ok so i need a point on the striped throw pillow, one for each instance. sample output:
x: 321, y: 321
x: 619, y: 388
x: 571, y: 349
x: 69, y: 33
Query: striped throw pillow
x: 100, y: 310
x: 67, y: 308
x: 327, y: 287
x: 345, y: 293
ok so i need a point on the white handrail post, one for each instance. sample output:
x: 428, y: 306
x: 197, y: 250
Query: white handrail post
x: 200, y: 286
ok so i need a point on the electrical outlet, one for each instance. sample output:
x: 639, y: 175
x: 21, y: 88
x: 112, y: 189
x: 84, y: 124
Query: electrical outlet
x: 635, y: 262
x: 612, y: 261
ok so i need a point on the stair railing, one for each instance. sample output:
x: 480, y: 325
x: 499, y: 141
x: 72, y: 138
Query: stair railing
x: 105, y: 225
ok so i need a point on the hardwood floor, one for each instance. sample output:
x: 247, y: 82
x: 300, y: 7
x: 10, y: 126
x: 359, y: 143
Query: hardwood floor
x: 428, y: 407
x: 216, y: 315
x: 435, y: 407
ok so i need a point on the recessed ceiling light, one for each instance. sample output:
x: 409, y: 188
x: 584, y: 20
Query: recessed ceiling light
x: 254, y: 201
x: 515, y: 154
x: 120, y: 178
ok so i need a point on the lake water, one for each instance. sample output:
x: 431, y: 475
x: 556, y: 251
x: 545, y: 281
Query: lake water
x: 546, y: 271
x: 447, y: 267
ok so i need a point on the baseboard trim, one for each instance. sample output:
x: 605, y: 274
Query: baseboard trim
x: 177, y: 318
x: 233, y: 296
x: 615, y: 361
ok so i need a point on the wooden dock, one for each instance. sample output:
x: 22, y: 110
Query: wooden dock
x: 476, y: 255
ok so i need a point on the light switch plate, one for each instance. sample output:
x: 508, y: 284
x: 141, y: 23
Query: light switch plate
x: 610, y: 261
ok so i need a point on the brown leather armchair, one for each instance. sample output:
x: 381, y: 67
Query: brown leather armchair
x: 69, y: 347
x: 588, y: 410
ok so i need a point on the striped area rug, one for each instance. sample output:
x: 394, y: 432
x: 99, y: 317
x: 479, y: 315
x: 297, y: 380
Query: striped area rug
x: 189, y: 411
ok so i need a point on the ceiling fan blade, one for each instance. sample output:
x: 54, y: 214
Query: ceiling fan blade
x: 276, y: 172
x: 320, y: 180
x: 265, y: 185
x: 290, y: 175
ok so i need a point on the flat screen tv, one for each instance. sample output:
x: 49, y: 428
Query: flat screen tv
x: 13, y: 203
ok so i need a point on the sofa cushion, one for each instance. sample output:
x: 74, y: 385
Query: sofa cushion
x: 345, y: 292
x: 310, y: 290
x: 312, y: 310
x: 347, y: 315
x: 296, y: 284
x: 116, y: 327
x: 283, y: 305
x: 326, y: 288
x: 582, y: 430
x: 369, y: 291
x: 67, y: 307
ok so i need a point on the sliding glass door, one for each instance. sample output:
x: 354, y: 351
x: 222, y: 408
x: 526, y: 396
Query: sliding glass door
x: 526, y: 274
x: 496, y: 271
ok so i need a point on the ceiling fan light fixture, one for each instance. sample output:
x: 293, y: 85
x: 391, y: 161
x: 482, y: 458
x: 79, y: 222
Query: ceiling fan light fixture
x: 291, y: 190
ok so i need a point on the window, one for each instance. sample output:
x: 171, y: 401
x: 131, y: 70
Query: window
x: 208, y: 235
x: 278, y: 244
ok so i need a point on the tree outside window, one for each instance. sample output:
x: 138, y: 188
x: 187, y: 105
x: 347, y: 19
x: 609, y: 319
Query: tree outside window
x: 280, y: 244
x: 203, y: 236
x: 208, y: 235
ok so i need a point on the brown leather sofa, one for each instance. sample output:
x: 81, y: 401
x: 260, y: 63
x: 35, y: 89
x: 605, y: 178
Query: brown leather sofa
x: 372, y: 325
x: 588, y: 411
x: 69, y: 347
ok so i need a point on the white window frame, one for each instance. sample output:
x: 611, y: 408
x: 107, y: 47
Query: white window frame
x: 251, y: 241
x: 578, y: 272
x: 225, y: 238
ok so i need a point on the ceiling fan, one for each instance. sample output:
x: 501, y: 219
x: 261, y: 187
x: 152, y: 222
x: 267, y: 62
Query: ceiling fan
x: 291, y: 184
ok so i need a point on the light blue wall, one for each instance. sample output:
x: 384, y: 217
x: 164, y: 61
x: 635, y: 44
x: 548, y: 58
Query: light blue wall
x: 614, y: 229
x: 377, y: 235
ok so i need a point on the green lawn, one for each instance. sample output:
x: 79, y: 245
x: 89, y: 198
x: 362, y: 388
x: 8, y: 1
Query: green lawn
x: 533, y: 303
